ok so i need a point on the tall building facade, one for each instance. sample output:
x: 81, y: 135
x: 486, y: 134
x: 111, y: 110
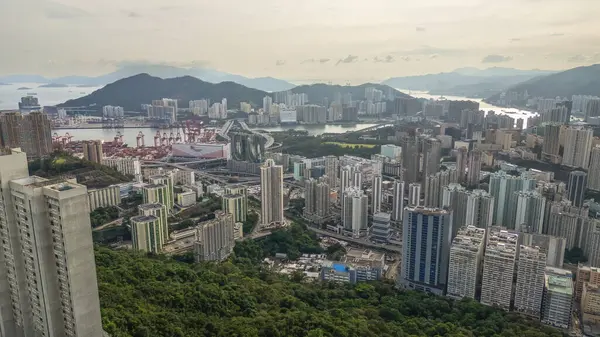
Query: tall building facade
x: 236, y: 205
x: 480, y: 209
x: 503, y: 187
x: 10, y: 129
x: 92, y: 151
x: 531, y: 207
x: 215, y: 239
x: 557, y: 304
x: 578, y: 143
x: 461, y: 163
x: 434, y: 186
x: 36, y: 135
x: 398, y: 201
x: 147, y: 233
x: 474, y: 167
x: 410, y: 158
x: 499, y: 268
x: 376, y: 193
x: 271, y: 190
x: 577, y: 186
x: 48, y: 279
x: 529, y: 289
x: 466, y: 257
x: 354, y: 211
x: 432, y: 154
x: 426, y: 234
x: 380, y: 231
x: 414, y: 195
x: 594, y: 179
x: 551, y: 148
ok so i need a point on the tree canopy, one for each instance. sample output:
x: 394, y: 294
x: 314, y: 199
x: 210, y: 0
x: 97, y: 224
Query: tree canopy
x: 158, y: 296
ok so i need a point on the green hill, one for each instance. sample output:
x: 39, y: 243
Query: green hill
x: 158, y: 296
x: 132, y: 92
x: 317, y: 92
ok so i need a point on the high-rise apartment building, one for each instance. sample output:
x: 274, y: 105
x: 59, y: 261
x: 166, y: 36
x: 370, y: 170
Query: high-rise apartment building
x: 531, y: 207
x: 553, y: 246
x: 48, y: 284
x: 267, y: 104
x: 480, y: 209
x: 557, y: 305
x: 411, y: 158
x: 594, y: 179
x: 354, y: 211
x: 414, y: 195
x: 499, y: 268
x: 398, y: 201
x: 147, y: 233
x: 550, y: 150
x: 271, y: 189
x: 92, y: 151
x: 461, y: 163
x: 474, y: 167
x: 432, y: 154
x: 577, y: 186
x: 578, y: 143
x: 160, y: 212
x: 585, y: 274
x: 565, y: 225
x: 466, y: 257
x: 435, y: 184
x: 426, y: 237
x: 376, y: 193
x: 529, y: 289
x: 10, y: 129
x: 236, y: 205
x: 168, y: 181
x: 503, y: 187
x: 214, y: 238
x: 391, y: 151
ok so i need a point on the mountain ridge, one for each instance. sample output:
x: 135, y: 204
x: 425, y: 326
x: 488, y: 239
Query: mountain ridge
x: 584, y: 80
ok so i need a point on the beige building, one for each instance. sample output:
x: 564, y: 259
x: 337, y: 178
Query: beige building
x: 499, y: 269
x: 590, y: 303
x: 159, y: 211
x: 529, y: 289
x: 48, y: 284
x: 585, y: 274
x: 167, y: 180
x: 271, y: 186
x: 147, y: 233
x: 104, y: 197
x: 186, y: 199
x: 127, y: 165
x: 235, y: 204
x: 215, y: 238
x: 92, y: 151
x: 466, y: 258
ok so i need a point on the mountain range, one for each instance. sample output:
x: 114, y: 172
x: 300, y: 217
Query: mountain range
x: 133, y: 91
x: 163, y: 71
x: 469, y: 82
x: 577, y: 81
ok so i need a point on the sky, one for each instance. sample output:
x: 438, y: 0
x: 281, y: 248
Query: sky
x: 297, y: 40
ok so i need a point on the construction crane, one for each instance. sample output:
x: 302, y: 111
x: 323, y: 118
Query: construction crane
x: 157, y: 139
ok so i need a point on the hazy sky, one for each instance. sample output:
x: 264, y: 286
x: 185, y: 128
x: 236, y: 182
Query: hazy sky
x: 302, y: 40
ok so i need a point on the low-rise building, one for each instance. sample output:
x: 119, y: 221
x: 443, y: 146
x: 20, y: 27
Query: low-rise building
x: 104, y: 197
x: 186, y: 199
x: 127, y: 165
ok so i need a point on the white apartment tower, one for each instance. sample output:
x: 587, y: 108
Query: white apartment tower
x: 354, y: 211
x: 499, y: 268
x: 398, y: 200
x: 414, y: 195
x: 48, y: 284
x: 503, y: 187
x: 531, y: 207
x: 529, y: 290
x: 271, y: 190
x: 466, y: 257
x: 578, y: 143
x: 376, y: 194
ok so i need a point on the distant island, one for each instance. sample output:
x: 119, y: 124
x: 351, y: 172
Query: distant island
x: 86, y: 86
x: 53, y: 85
x: 24, y: 88
x: 4, y: 83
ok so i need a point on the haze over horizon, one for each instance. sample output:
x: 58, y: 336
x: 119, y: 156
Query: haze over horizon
x: 309, y: 41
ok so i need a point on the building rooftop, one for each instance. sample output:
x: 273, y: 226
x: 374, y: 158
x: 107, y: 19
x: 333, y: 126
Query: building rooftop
x: 150, y: 206
x: 144, y: 218
x: 427, y: 210
x: 150, y: 186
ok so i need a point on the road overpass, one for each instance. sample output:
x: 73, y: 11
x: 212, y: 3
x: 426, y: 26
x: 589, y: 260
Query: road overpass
x: 362, y: 242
